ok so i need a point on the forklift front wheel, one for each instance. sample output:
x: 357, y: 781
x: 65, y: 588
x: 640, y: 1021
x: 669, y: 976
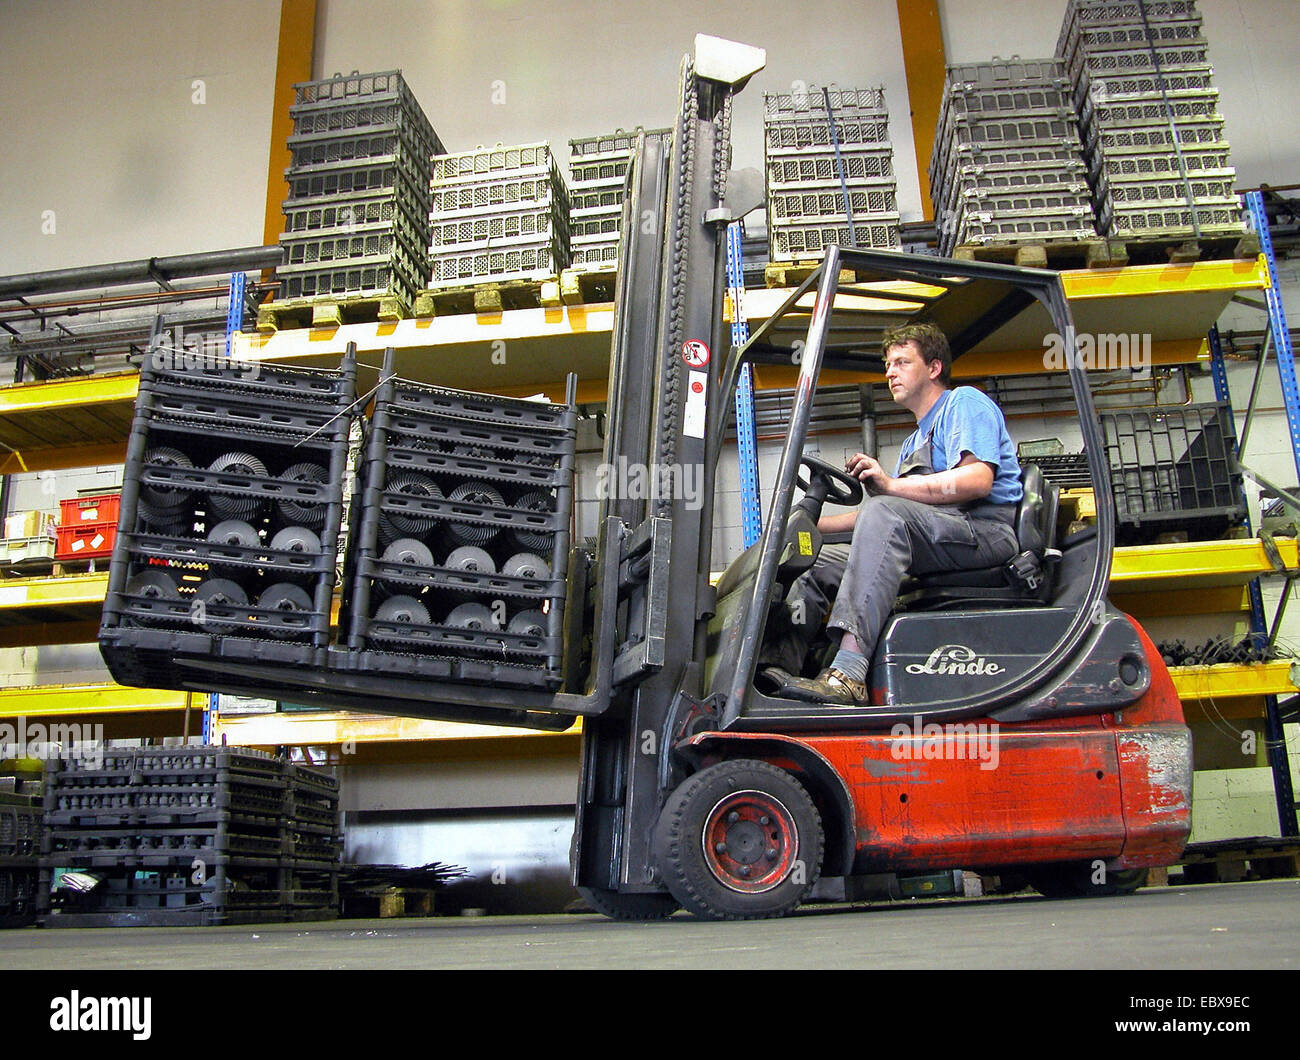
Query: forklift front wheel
x: 739, y: 840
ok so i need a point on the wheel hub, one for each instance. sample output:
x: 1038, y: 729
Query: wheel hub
x: 750, y: 841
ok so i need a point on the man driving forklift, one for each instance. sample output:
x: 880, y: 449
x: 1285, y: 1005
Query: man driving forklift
x: 949, y: 505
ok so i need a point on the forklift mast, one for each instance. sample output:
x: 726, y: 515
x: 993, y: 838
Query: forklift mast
x: 665, y: 378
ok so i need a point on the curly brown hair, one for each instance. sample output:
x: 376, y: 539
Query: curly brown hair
x: 929, y: 339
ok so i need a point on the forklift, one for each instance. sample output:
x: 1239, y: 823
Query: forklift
x: 1018, y: 723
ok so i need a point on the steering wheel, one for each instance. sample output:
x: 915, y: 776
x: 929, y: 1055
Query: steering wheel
x: 837, y: 486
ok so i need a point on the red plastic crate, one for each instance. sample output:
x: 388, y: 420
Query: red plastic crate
x: 92, y: 541
x: 83, y: 511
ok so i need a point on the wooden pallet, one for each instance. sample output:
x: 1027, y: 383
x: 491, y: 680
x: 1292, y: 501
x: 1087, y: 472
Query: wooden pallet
x: 1234, y: 860
x: 330, y: 312
x: 1111, y: 253
x: 787, y: 274
x: 496, y: 296
x: 588, y: 284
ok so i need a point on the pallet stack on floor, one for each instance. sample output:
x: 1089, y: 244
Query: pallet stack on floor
x: 21, y: 828
x: 821, y: 148
x: 1008, y: 164
x: 146, y: 836
x: 598, y: 167
x: 231, y: 508
x: 460, y: 538
x: 1154, y: 140
x: 497, y: 213
x: 356, y: 221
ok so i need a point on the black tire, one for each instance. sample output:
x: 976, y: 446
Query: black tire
x: 739, y: 840
x: 1077, y: 879
x: 619, y: 906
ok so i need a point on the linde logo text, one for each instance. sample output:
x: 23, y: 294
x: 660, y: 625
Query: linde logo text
x: 77, y: 1013
x: 955, y: 659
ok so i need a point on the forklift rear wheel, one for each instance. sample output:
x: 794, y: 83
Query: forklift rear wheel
x: 1077, y: 880
x: 739, y: 840
x: 620, y: 906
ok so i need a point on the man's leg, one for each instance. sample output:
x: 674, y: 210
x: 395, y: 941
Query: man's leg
x: 796, y: 623
x: 891, y: 539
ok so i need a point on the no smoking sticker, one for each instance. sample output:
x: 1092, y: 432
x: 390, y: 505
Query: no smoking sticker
x: 695, y: 353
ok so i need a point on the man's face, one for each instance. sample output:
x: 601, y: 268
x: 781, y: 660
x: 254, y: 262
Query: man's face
x: 907, y: 374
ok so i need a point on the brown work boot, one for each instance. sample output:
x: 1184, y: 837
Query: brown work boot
x: 830, y: 686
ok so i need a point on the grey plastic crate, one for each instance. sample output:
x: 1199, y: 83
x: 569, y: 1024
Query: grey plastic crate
x: 808, y: 242
x: 1067, y: 225
x: 1171, y: 32
x: 812, y: 102
x: 980, y: 189
x: 1145, y: 84
x: 1000, y: 134
x: 497, y: 161
x: 1113, y: 62
x: 1184, y: 107
x: 828, y: 203
x: 1203, y: 135
x: 347, y: 214
x: 617, y: 142
x: 351, y: 277
x: 358, y: 149
x: 1080, y: 14
x: 1140, y: 162
x: 517, y: 192
x: 328, y: 182
x: 814, y: 133
x: 362, y: 94
x: 1170, y: 220
x: 598, y: 254
x: 789, y: 172
x: 999, y: 72
x: 1146, y: 192
x: 507, y: 263
x: 599, y: 197
x: 500, y: 226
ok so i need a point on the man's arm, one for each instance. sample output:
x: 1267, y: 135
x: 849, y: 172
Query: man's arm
x: 970, y: 480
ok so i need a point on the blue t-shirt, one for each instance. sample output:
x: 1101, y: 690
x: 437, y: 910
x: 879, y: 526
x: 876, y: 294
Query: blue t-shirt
x: 966, y: 420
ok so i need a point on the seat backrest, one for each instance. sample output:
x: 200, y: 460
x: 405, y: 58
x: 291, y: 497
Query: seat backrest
x: 1036, y: 514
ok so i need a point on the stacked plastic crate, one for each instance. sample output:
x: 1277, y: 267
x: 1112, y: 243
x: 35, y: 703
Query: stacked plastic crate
x: 20, y: 838
x: 356, y: 220
x: 460, y: 537
x: 823, y: 147
x: 598, y: 168
x: 231, y: 508
x: 1007, y: 165
x: 1156, y: 151
x: 187, y: 835
x: 497, y: 213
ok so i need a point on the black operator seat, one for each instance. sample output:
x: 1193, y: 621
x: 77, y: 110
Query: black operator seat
x: 1027, y: 578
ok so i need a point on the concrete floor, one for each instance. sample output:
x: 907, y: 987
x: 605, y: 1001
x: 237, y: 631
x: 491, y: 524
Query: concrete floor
x: 1209, y: 926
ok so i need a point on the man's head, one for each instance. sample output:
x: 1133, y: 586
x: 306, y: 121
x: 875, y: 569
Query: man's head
x: 918, y: 363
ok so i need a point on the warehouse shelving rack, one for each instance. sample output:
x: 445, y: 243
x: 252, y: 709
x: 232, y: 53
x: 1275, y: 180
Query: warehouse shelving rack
x: 68, y: 419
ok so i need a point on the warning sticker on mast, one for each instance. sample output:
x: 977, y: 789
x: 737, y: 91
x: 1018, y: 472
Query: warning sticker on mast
x: 695, y: 353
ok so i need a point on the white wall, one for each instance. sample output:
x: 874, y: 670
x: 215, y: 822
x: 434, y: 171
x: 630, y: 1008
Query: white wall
x: 103, y: 134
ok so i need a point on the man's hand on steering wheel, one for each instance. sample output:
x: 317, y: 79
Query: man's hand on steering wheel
x: 869, y: 471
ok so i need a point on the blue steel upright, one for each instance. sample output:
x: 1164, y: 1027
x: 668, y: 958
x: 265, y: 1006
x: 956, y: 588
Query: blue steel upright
x: 751, y: 519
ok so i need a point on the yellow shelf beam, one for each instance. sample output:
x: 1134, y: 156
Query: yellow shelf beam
x: 1236, y: 680
x: 325, y: 729
x: 1195, y: 564
x: 107, y: 698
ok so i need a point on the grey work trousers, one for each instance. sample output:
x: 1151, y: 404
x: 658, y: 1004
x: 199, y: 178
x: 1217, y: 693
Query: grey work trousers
x: 858, y: 583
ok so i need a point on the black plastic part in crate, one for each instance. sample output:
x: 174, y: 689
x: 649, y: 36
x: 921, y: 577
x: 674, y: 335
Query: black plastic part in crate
x: 1174, y: 468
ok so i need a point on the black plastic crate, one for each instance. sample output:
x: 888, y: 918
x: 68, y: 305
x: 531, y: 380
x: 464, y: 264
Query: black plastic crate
x: 459, y: 537
x: 18, y: 890
x: 231, y: 508
x: 1174, y: 469
x: 1064, y: 470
